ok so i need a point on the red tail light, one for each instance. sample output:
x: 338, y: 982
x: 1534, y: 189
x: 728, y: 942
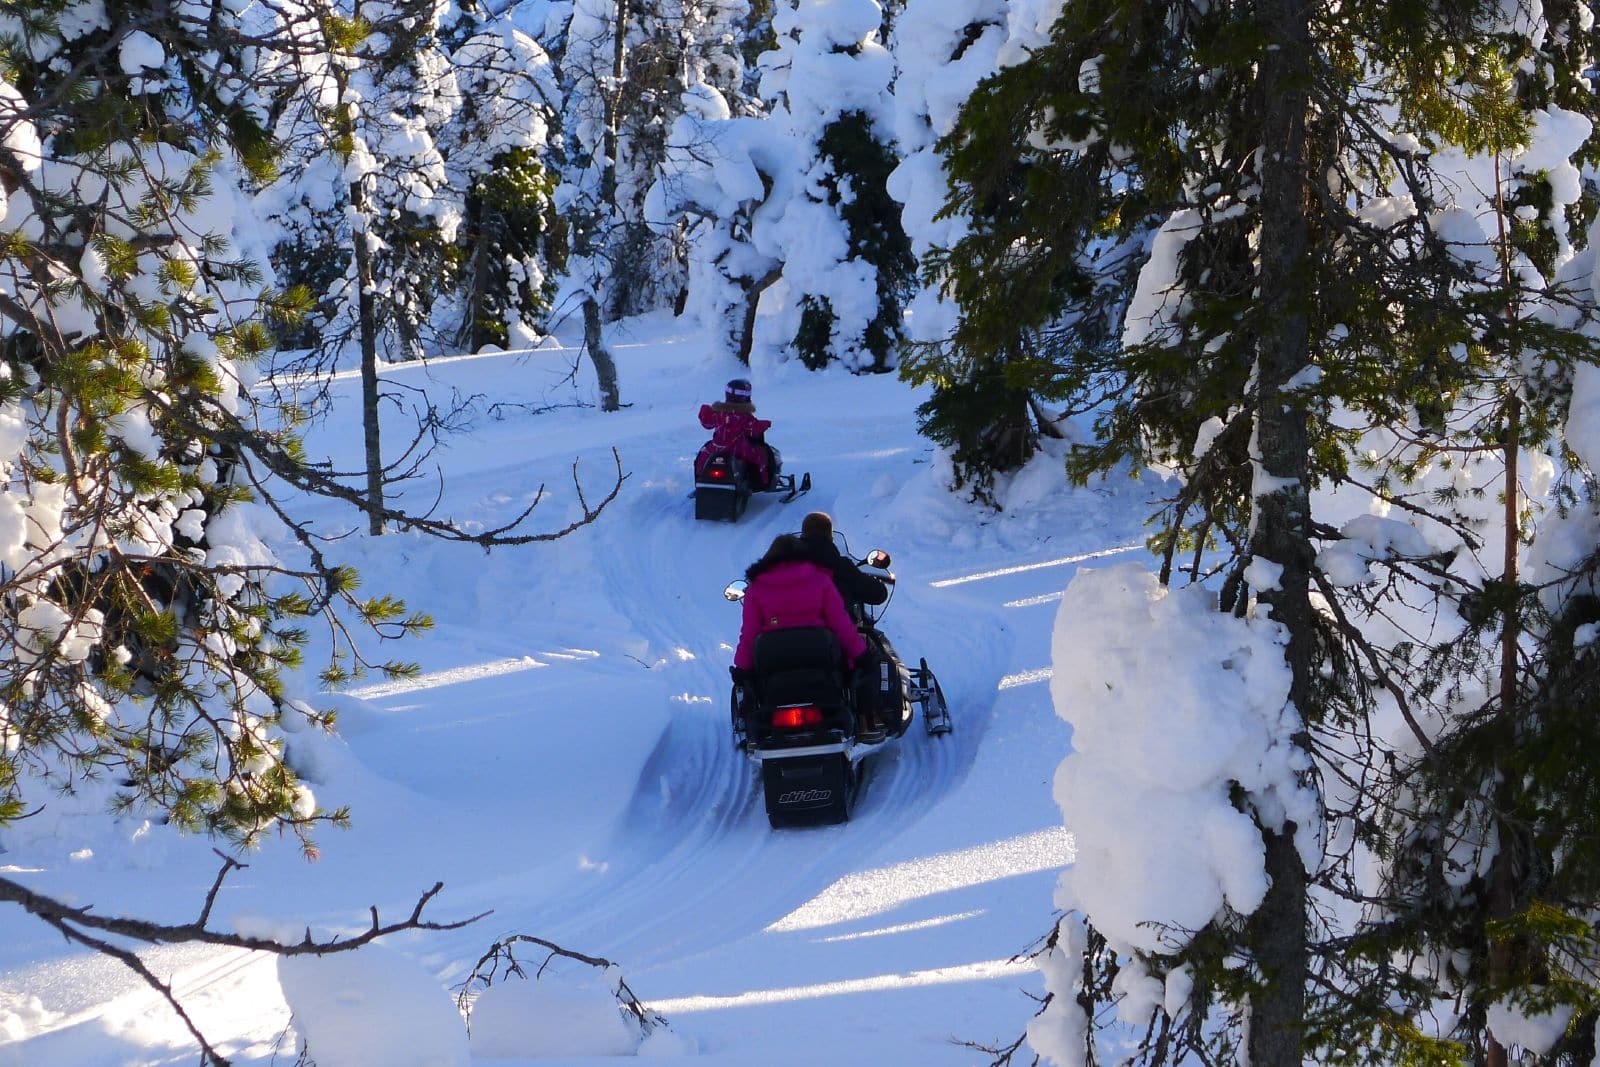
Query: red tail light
x: 795, y: 718
x: 716, y: 474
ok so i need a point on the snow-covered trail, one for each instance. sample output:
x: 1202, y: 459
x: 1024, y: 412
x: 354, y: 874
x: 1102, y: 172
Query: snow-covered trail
x: 691, y: 862
x: 564, y: 758
x: 696, y: 861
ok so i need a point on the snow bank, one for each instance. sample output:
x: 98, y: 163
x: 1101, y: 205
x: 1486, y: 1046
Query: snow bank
x: 559, y: 1015
x: 371, y: 1006
x: 1171, y: 704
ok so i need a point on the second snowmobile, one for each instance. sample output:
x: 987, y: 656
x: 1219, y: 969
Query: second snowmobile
x: 724, y: 483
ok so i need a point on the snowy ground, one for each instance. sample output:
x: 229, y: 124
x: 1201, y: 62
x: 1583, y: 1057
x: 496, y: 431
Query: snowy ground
x: 564, y: 759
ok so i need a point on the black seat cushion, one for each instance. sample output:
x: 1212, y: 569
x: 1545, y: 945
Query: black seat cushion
x: 797, y: 648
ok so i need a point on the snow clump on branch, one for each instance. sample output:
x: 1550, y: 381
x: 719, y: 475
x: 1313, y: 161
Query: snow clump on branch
x: 1176, y: 710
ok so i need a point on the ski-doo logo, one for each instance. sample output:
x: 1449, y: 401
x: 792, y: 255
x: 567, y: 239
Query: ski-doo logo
x: 805, y: 796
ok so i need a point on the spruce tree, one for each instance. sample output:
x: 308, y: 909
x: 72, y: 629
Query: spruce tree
x: 983, y: 408
x: 1489, y: 875
x: 500, y: 158
x: 858, y: 166
x: 1272, y: 199
x: 847, y: 265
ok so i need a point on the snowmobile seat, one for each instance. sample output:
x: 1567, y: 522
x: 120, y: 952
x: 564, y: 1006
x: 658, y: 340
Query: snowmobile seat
x: 801, y: 664
x: 797, y: 647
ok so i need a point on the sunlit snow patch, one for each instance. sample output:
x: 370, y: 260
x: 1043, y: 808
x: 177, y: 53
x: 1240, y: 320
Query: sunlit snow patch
x: 1034, y: 601
x: 1033, y: 677
x: 867, y: 893
x: 905, y: 928
x: 967, y: 972
x: 1023, y: 568
x: 472, y: 672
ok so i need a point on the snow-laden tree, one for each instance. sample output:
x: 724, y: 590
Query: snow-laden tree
x: 628, y: 71
x: 846, y: 261
x: 152, y: 640
x: 497, y: 154
x: 685, y: 52
x: 720, y: 170
x: 395, y: 93
x: 984, y: 406
x: 1337, y: 239
x: 790, y: 213
x: 459, y: 133
x: 416, y: 199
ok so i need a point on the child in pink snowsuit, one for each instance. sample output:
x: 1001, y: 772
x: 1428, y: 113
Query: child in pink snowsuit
x: 735, y: 428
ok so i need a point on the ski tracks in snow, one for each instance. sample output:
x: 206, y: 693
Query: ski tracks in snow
x: 699, y: 865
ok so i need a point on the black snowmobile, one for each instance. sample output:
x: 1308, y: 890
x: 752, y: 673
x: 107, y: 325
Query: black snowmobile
x: 724, y: 483
x: 795, y: 714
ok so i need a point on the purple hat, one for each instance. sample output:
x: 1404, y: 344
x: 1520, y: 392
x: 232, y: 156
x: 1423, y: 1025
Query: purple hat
x: 739, y: 391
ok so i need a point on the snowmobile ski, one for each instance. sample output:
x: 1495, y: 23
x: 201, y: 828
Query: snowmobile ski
x: 926, y: 692
x: 795, y: 490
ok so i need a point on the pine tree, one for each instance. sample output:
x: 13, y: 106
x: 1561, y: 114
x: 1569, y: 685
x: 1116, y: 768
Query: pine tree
x: 148, y: 639
x: 153, y: 641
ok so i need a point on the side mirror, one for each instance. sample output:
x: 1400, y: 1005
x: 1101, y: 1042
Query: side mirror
x: 735, y: 590
x: 878, y: 559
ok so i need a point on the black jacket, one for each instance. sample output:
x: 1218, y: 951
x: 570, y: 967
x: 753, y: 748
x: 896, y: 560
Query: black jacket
x: 855, y: 586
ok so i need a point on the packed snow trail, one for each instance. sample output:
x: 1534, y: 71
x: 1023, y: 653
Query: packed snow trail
x: 694, y: 838
x: 564, y: 759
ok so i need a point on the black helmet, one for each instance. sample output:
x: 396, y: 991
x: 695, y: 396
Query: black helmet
x: 739, y: 391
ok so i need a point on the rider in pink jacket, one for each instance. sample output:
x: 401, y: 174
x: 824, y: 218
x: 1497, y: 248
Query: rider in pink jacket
x: 735, y: 428
x: 786, y: 590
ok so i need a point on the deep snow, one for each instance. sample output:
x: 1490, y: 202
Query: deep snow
x: 564, y: 757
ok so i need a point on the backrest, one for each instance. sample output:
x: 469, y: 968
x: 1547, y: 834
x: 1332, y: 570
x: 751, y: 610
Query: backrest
x: 797, y: 647
x: 800, y: 664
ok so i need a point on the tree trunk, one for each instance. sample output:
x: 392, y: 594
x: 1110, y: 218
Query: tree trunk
x: 605, y: 368
x: 472, y: 334
x: 368, y: 329
x: 1504, y: 868
x: 1277, y: 931
x: 747, y: 328
x: 613, y: 105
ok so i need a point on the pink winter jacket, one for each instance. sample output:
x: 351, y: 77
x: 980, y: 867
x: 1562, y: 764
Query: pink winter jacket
x: 735, y: 430
x: 796, y: 593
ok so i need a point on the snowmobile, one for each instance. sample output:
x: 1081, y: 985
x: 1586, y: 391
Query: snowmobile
x: 795, y: 715
x: 724, y: 483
